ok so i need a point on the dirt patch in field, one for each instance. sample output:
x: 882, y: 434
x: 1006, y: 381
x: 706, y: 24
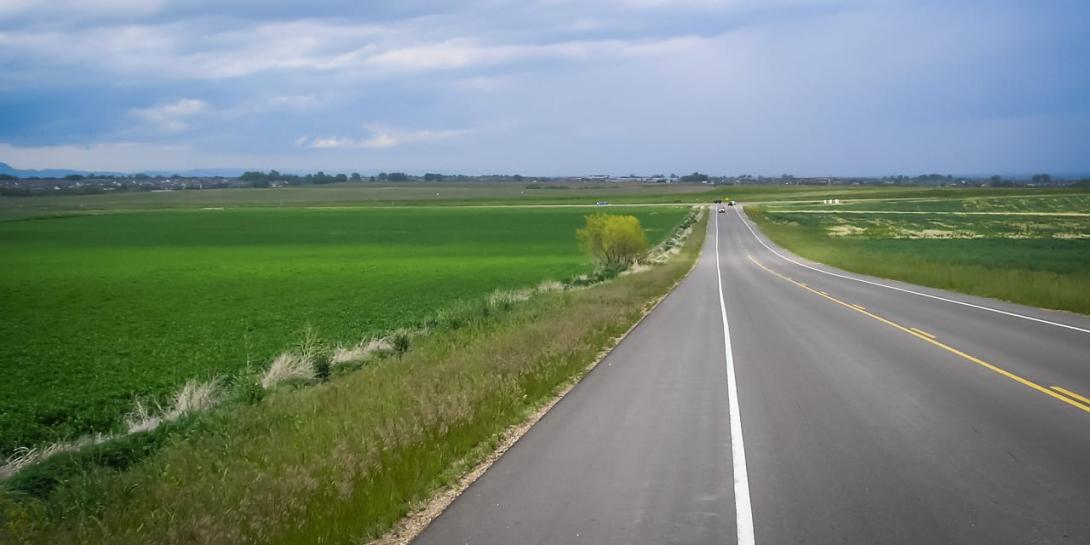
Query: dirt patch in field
x: 845, y: 230
x: 937, y: 233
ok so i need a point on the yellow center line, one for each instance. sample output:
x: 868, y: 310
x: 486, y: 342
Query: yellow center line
x: 922, y: 332
x: 859, y: 307
x: 991, y: 367
x: 1069, y: 393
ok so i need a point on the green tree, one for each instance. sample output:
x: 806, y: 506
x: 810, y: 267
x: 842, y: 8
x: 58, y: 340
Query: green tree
x: 694, y: 177
x: 256, y: 179
x: 613, y: 239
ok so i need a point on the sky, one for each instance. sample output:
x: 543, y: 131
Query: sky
x: 548, y: 87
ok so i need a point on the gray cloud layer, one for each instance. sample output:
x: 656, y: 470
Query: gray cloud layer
x: 547, y: 87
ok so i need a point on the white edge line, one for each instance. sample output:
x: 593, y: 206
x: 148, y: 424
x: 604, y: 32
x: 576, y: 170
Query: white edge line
x: 895, y: 288
x: 742, y: 508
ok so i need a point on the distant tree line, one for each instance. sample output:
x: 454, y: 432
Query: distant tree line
x: 70, y: 190
x: 694, y: 177
x: 274, y: 177
x: 84, y: 184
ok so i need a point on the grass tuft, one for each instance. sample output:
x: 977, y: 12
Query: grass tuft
x: 25, y: 457
x: 506, y: 299
x: 194, y: 396
x: 286, y: 367
x: 549, y: 286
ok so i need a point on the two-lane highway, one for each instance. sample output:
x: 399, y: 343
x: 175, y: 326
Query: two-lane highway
x: 866, y: 411
x: 874, y: 415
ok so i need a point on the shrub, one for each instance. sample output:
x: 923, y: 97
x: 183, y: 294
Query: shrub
x: 248, y: 390
x: 401, y: 344
x: 322, y: 368
x: 613, y: 239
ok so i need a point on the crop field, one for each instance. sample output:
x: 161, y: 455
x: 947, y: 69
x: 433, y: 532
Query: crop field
x: 369, y: 194
x: 1031, y: 249
x: 469, y: 194
x: 342, y: 460
x: 97, y: 310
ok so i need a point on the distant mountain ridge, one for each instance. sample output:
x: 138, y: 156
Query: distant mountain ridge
x: 31, y: 173
x: 62, y: 172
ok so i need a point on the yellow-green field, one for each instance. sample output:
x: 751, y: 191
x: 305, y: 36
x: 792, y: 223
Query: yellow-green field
x: 1030, y: 248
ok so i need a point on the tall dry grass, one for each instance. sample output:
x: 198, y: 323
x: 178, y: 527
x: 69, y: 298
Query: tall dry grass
x: 288, y: 366
x: 194, y: 396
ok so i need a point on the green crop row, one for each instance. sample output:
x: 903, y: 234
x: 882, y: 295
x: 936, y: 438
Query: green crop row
x: 96, y: 311
x: 477, y: 194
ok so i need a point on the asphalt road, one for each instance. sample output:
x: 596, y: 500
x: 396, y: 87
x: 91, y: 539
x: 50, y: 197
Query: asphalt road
x: 863, y: 414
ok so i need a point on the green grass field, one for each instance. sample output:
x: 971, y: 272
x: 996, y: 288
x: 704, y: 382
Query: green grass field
x: 359, y: 194
x: 340, y: 461
x: 1032, y: 249
x: 1017, y: 201
x: 95, y: 310
x: 469, y: 194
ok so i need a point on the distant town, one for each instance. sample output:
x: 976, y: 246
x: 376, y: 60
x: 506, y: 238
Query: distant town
x: 13, y: 185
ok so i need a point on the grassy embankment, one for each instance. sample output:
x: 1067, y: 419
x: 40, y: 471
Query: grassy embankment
x: 1032, y: 249
x: 344, y: 460
x: 95, y: 311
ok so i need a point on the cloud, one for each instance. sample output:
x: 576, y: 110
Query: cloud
x: 193, y: 50
x: 172, y: 116
x: 765, y: 86
x: 69, y: 8
x: 122, y: 157
x: 293, y: 102
x: 184, y: 50
x: 382, y: 137
x: 716, y: 5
